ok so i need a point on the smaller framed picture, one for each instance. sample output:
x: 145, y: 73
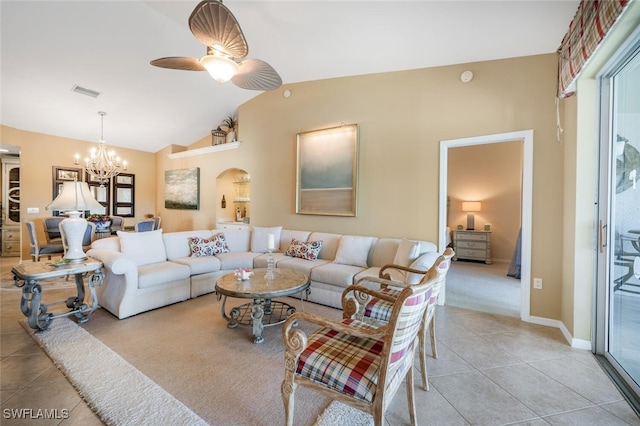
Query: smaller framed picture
x: 67, y: 174
x: 124, y: 211
x: 64, y: 174
x: 124, y: 180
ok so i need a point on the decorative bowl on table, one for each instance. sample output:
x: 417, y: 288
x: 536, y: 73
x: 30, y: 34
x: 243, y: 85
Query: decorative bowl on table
x: 243, y: 274
x: 102, y: 222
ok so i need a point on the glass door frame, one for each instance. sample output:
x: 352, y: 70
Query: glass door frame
x: 605, y: 212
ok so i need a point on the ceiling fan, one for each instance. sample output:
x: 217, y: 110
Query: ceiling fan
x: 216, y: 27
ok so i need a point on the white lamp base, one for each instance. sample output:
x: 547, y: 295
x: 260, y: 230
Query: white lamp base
x: 74, y: 228
x: 470, y: 221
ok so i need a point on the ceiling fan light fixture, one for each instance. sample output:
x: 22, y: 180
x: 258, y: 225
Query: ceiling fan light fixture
x: 220, y: 67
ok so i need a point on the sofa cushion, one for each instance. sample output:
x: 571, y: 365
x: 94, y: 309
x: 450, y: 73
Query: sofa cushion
x: 308, y: 251
x: 423, y: 263
x: 236, y: 260
x: 161, y: 273
x: 200, y: 265
x: 330, y: 243
x: 301, y: 265
x: 259, y: 236
x: 336, y: 274
x: 408, y: 251
x: 176, y: 244
x: 208, y: 247
x: 287, y: 234
x: 354, y: 250
x: 238, y: 240
x: 143, y: 247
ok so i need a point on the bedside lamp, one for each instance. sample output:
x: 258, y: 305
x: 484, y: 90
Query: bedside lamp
x: 470, y: 207
x: 74, y: 198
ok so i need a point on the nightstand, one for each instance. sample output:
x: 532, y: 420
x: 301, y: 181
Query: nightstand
x: 472, y: 245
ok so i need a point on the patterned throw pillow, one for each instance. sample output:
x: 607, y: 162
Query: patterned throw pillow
x: 208, y: 247
x: 308, y: 251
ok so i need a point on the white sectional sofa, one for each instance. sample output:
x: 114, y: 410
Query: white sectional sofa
x: 148, y: 270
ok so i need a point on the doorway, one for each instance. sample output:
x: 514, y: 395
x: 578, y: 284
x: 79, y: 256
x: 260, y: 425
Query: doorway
x: 526, y: 137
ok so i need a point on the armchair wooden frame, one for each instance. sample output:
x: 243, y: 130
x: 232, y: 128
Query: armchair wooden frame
x: 392, y: 368
x: 354, y: 307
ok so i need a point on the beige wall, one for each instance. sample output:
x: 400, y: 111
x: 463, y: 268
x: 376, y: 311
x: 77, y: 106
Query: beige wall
x: 40, y: 152
x: 402, y: 117
x: 492, y: 174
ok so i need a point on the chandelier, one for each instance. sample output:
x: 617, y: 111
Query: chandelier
x: 102, y: 165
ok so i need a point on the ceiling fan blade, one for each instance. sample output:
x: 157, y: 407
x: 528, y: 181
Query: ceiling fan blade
x: 179, y: 63
x: 213, y: 24
x: 255, y: 74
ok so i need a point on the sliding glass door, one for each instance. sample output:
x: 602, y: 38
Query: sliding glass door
x: 618, y: 291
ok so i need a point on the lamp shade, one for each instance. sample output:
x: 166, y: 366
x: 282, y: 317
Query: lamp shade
x: 75, y: 196
x: 471, y: 206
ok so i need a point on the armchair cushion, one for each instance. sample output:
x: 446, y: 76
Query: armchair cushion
x: 331, y: 357
x: 308, y: 251
x: 143, y: 247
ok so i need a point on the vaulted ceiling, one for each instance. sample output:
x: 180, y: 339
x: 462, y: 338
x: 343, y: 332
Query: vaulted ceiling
x: 50, y: 46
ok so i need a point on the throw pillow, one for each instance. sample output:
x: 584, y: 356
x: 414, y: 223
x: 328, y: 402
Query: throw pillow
x: 407, y: 252
x: 354, y: 250
x: 259, y: 238
x: 143, y: 247
x: 423, y: 263
x: 208, y: 246
x: 308, y: 251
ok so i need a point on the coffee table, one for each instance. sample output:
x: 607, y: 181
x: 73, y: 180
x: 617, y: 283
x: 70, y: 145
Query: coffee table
x: 263, y: 311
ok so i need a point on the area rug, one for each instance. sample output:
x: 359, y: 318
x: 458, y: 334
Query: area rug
x: 187, y: 351
x: 113, y: 388
x: 338, y: 413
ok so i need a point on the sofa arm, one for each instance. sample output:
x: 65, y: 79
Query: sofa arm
x: 115, y: 262
x: 120, y: 281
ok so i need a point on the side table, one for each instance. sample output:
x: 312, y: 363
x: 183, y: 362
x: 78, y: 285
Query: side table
x: 30, y: 275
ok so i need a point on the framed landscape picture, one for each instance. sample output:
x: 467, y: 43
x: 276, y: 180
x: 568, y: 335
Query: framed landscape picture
x: 327, y: 171
x: 182, y: 189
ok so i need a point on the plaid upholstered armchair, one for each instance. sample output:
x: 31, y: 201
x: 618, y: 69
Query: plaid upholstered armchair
x: 377, y: 311
x: 353, y: 362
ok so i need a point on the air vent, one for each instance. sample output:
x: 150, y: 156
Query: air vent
x: 85, y: 91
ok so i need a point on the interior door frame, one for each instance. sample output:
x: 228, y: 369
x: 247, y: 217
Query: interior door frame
x: 525, y: 136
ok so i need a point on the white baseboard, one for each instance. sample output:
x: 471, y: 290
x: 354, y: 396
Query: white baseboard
x: 575, y: 343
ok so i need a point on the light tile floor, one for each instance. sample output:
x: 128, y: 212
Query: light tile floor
x: 491, y: 370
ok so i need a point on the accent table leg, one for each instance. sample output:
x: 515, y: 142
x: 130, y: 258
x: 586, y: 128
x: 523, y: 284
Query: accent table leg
x: 257, y: 313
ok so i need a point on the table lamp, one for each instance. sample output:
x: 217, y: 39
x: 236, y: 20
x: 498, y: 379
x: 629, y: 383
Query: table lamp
x: 75, y: 198
x: 470, y: 207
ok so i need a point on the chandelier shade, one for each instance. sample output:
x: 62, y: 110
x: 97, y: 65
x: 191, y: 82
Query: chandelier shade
x: 102, y: 165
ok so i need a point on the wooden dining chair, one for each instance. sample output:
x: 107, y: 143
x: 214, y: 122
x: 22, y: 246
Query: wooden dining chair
x: 353, y: 362
x: 52, y: 228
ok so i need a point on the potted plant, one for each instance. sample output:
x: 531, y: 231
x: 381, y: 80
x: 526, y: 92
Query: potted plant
x: 102, y: 221
x: 231, y: 123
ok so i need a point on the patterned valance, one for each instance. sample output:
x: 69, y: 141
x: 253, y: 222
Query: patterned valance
x: 590, y: 25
